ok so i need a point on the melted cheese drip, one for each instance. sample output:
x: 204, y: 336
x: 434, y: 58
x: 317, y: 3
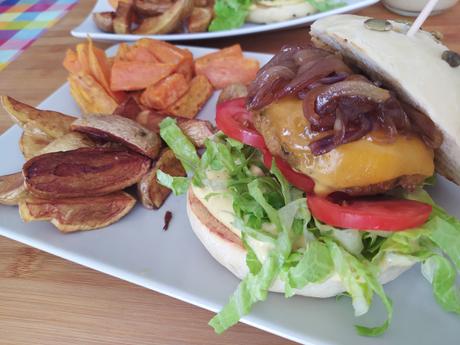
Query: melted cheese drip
x: 359, y: 163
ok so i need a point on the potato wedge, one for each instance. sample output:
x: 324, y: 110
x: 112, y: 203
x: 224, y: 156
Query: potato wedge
x: 149, y: 8
x: 52, y: 123
x: 12, y: 189
x: 31, y: 144
x: 68, y: 142
x: 104, y: 21
x: 129, y: 108
x: 199, y: 19
x: 168, y: 21
x: 83, y: 172
x: 196, y: 130
x: 74, y: 214
x: 123, y: 18
x: 196, y: 97
x: 232, y: 91
x: 151, y: 193
x: 122, y: 130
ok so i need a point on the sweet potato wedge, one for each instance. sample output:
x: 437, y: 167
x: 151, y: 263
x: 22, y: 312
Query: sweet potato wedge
x: 136, y: 75
x: 52, y: 123
x: 232, y: 91
x: 82, y: 55
x: 151, y: 193
x: 191, y: 102
x: 71, y: 63
x: 129, y: 108
x: 229, y: 70
x: 232, y: 51
x: 90, y: 95
x: 199, y: 19
x: 167, y: 22
x: 122, y: 130
x: 166, y: 92
x: 149, y: 8
x: 73, y: 214
x: 104, y: 21
x: 123, y: 18
x: 12, y: 189
x: 68, y: 142
x: 83, y: 172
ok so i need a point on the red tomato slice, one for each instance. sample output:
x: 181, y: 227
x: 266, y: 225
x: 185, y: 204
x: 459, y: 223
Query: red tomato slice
x: 301, y: 181
x: 361, y: 214
x: 235, y: 121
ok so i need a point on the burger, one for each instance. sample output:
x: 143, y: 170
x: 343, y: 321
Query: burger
x: 314, y: 186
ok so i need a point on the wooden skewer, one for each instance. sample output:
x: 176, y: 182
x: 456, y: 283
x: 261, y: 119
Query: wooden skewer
x: 422, y: 17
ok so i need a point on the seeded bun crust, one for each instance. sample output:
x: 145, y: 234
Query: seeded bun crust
x: 228, y: 250
x: 411, y: 66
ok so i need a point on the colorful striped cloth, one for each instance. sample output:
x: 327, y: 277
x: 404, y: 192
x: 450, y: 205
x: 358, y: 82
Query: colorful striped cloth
x: 23, y: 21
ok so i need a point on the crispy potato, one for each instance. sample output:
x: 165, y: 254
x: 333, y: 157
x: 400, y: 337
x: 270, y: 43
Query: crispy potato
x: 196, y: 130
x: 52, y: 123
x: 151, y: 193
x: 31, y: 144
x: 104, y: 21
x: 201, y: 3
x: 129, y: 108
x: 90, y: 96
x: 12, y: 189
x: 166, y: 92
x: 191, y: 103
x: 83, y: 172
x: 122, y: 130
x: 123, y: 18
x: 168, y: 21
x: 199, y: 19
x: 73, y: 214
x: 232, y: 91
x: 68, y: 142
x: 149, y: 8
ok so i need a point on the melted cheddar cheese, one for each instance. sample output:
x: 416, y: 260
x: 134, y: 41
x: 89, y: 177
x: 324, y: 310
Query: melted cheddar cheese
x: 359, y: 163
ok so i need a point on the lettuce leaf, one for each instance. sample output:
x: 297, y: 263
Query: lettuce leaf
x: 326, y: 5
x: 178, y: 184
x: 229, y: 14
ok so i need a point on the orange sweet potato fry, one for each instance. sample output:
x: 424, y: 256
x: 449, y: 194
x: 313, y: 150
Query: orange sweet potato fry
x: 122, y: 52
x: 232, y: 51
x: 71, y: 62
x: 100, y: 69
x: 190, y: 104
x: 142, y: 54
x: 134, y: 75
x: 82, y: 54
x: 229, y: 70
x: 90, y: 96
x: 166, y: 92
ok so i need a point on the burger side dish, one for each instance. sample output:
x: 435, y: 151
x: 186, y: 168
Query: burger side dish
x: 314, y: 184
x: 157, y: 17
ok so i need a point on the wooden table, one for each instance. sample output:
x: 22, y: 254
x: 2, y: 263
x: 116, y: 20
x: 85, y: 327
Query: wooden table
x: 48, y: 300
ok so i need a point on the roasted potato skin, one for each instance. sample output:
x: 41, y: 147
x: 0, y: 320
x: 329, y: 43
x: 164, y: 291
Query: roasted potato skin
x: 104, y: 21
x: 74, y: 214
x: 148, y: 8
x: 232, y: 91
x: 199, y: 19
x: 83, y: 172
x: 151, y: 193
x: 167, y: 22
x: 31, y: 144
x: 123, y: 18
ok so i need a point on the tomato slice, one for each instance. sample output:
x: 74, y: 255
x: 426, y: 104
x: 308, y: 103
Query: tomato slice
x: 366, y: 214
x: 235, y: 121
x: 301, y: 181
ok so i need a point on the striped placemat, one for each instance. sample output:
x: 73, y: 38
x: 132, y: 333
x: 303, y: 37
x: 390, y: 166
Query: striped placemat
x: 23, y: 21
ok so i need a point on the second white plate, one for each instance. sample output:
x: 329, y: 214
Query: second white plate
x: 89, y: 28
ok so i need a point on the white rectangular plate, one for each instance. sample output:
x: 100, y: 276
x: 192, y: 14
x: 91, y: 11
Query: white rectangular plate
x: 89, y: 28
x: 175, y: 263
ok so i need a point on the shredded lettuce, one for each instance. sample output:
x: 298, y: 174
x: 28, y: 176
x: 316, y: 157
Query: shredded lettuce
x: 229, y: 14
x: 304, y: 250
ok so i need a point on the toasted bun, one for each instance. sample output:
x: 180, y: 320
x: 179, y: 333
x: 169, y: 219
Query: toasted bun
x: 227, y: 248
x: 411, y: 66
x: 278, y: 11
